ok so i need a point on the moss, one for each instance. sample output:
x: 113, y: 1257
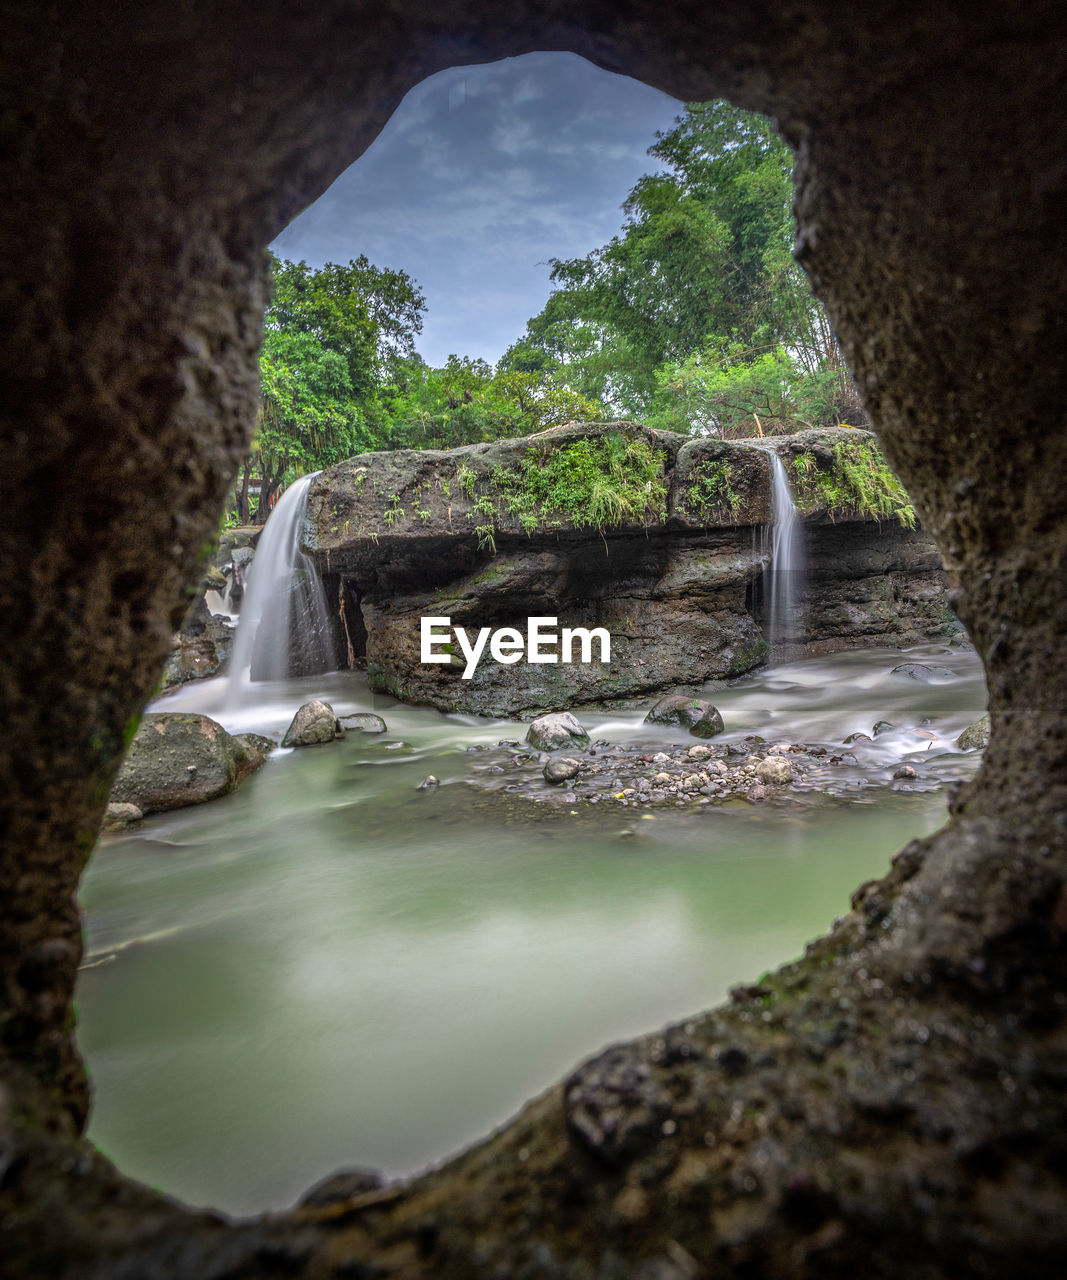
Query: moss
x: 594, y: 483
x: 710, y: 495
x: 858, y: 482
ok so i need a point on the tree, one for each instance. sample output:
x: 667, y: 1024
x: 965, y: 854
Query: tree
x: 332, y: 337
x: 702, y: 265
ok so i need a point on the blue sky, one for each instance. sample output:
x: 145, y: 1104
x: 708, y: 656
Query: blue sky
x: 481, y: 176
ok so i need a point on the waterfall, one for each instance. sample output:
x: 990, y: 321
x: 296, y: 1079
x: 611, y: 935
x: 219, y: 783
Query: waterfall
x: 284, y: 625
x: 785, y: 579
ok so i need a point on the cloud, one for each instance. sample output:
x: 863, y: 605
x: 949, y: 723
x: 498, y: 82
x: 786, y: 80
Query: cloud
x: 482, y: 174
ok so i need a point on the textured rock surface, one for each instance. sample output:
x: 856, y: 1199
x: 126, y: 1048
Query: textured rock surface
x: 678, y: 591
x: 891, y: 1105
x: 314, y: 723
x: 557, y: 730
x: 200, y: 648
x: 695, y: 714
x: 178, y: 759
x: 975, y: 735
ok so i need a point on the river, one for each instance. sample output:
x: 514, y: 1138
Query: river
x: 330, y: 967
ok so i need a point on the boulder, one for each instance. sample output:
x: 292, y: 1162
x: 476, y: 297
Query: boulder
x: 178, y: 759
x: 365, y: 722
x: 201, y: 649
x: 557, y: 730
x: 313, y: 724
x: 776, y: 771
x: 695, y: 714
x: 923, y: 672
x: 117, y: 817
x: 562, y: 769
x: 975, y: 735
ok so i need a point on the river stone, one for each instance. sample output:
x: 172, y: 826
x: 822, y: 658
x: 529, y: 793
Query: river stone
x: 365, y: 722
x: 775, y: 770
x: 923, y: 671
x: 556, y: 730
x: 561, y: 769
x: 117, y: 817
x: 314, y: 723
x: 214, y: 579
x: 975, y: 735
x: 695, y: 714
x: 178, y: 759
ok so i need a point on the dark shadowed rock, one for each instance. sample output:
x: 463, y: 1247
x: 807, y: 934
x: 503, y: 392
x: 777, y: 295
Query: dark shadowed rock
x: 556, y: 730
x: 313, y: 724
x: 975, y: 735
x: 614, y: 1106
x: 179, y: 759
x: 695, y: 714
x: 561, y: 769
x: 345, y: 1184
x: 923, y: 672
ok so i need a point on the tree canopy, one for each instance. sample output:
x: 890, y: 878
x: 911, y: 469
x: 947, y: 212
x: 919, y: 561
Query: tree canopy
x: 694, y: 317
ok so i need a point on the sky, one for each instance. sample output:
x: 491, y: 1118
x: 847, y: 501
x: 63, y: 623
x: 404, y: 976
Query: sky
x: 482, y: 175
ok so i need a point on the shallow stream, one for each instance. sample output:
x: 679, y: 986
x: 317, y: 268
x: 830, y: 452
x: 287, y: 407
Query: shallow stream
x: 330, y: 967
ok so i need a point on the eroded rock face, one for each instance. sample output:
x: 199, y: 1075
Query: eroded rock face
x: 676, y: 584
x: 177, y: 759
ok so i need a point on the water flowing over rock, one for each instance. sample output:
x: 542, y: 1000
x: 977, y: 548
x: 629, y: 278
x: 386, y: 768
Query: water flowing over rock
x: 976, y: 735
x: 681, y: 583
x: 284, y: 627
x: 786, y: 571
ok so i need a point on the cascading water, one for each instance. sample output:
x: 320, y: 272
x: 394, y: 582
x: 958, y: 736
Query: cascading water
x: 785, y: 579
x: 284, y: 625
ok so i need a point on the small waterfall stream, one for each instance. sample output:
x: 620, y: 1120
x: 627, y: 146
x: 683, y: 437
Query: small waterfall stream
x: 284, y: 626
x: 785, y: 580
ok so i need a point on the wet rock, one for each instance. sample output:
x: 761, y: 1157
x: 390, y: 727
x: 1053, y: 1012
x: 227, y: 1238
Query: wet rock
x: 179, y: 759
x: 429, y: 783
x: 775, y: 770
x: 313, y: 724
x: 345, y: 1184
x: 613, y: 1105
x: 214, y: 580
x: 366, y: 722
x: 905, y: 771
x: 561, y: 770
x: 857, y: 737
x: 556, y: 730
x: 923, y: 672
x: 698, y: 753
x: 117, y: 817
x: 975, y: 735
x: 200, y: 649
x: 881, y: 727
x: 695, y: 714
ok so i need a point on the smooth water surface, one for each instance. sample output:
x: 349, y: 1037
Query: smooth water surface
x: 330, y: 967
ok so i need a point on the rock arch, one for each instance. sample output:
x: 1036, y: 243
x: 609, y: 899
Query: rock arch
x: 901, y: 1108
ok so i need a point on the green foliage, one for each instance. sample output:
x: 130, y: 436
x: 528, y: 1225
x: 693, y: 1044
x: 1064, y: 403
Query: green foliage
x: 596, y: 482
x: 738, y: 393
x: 709, y: 493
x: 857, y: 483
x: 699, y: 283
x: 467, y: 402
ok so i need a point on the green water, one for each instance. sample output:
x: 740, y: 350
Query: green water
x: 331, y: 968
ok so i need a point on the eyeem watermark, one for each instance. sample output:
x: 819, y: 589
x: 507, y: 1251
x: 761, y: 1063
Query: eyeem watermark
x: 541, y: 643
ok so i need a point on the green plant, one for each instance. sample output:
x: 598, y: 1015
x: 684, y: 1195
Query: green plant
x: 486, y: 537
x: 858, y: 482
x: 466, y: 478
x: 394, y: 511
x: 710, y: 492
